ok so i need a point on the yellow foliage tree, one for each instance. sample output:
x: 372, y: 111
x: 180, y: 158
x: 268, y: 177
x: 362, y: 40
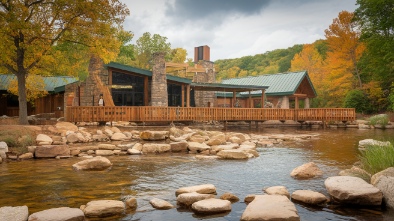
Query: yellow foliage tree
x: 309, y: 59
x: 344, y: 48
x: 32, y: 30
x: 35, y: 87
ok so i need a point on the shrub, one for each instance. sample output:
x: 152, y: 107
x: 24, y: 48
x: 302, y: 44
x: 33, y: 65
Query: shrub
x: 381, y: 119
x: 359, y: 100
x: 376, y: 158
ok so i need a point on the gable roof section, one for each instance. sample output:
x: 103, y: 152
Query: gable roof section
x: 279, y: 84
x: 144, y: 72
x: 50, y: 82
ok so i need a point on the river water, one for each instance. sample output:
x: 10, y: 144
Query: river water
x: 50, y: 183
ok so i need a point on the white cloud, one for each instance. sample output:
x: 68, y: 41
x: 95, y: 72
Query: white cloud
x: 269, y: 25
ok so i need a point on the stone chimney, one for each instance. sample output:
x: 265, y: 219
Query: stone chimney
x: 159, y: 95
x: 202, y: 53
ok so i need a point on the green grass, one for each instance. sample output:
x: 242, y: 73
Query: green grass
x: 17, y: 139
x: 381, y: 119
x: 376, y: 158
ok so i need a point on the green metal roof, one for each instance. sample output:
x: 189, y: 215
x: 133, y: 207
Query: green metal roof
x: 279, y: 84
x: 228, y: 87
x: 145, y: 72
x: 50, y: 82
x: 5, y: 80
x: 129, y: 68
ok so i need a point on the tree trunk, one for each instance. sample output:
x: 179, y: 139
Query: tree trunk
x: 21, y: 77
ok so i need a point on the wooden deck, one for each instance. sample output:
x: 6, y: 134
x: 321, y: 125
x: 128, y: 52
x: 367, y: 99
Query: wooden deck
x: 170, y: 114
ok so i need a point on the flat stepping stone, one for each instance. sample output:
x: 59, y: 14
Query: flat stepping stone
x: 270, y: 208
x: 204, y: 188
x: 353, y: 190
x: 160, y: 204
x: 309, y: 197
x: 62, y: 213
x: 104, y: 208
x: 187, y: 199
x: 17, y: 213
x: 211, y: 206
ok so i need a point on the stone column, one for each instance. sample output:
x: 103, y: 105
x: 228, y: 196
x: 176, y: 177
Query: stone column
x: 306, y: 103
x: 159, y: 94
x: 90, y: 92
x: 202, y: 98
x: 285, y: 102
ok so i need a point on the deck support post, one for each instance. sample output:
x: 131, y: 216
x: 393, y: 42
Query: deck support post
x: 188, y: 95
x: 256, y: 124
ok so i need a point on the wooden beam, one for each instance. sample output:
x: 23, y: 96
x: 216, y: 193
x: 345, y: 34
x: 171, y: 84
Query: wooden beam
x: 182, y: 95
x: 146, y: 91
x: 299, y: 95
x: 188, y: 95
x: 262, y: 98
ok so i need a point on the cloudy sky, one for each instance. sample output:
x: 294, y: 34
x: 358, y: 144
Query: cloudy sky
x: 234, y: 28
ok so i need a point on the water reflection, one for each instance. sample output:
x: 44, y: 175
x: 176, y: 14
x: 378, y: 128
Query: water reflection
x: 44, y: 184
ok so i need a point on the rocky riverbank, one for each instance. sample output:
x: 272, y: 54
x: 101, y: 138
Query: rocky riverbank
x: 93, y: 145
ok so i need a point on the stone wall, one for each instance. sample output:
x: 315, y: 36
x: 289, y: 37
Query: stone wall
x: 87, y: 93
x: 203, y: 98
x: 159, y: 94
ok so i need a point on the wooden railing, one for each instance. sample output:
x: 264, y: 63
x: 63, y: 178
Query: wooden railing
x: 169, y: 114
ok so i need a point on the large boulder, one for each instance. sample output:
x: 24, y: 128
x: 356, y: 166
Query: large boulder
x: 3, y: 149
x: 356, y: 172
x: 230, y: 197
x: 384, y: 181
x: 104, y: 152
x: 270, y: 208
x: 104, y: 208
x: 309, y: 197
x: 371, y: 142
x: 96, y: 163
x: 218, y: 148
x: 198, y: 147
x: 154, y: 135
x: 211, y: 206
x: 305, y: 171
x: 217, y: 139
x: 105, y: 146
x: 234, y: 154
x: 277, y: 190
x: 118, y: 136
x: 72, y: 138
x: 387, y: 172
x: 66, y: 126
x: 353, y: 190
x: 18, y: 213
x: 160, y: 204
x: 204, y: 188
x: 48, y: 151
x: 187, y: 199
x: 180, y: 146
x: 43, y: 139
x: 155, y: 148
x: 58, y: 214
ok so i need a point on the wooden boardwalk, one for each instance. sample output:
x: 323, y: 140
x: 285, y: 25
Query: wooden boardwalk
x: 173, y: 114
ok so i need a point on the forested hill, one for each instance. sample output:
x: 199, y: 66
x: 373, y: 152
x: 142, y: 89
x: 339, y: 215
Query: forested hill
x: 271, y: 62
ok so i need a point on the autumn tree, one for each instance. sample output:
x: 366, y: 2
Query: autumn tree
x: 147, y: 45
x: 126, y: 52
x: 32, y: 28
x: 35, y: 87
x: 310, y: 59
x: 344, y: 47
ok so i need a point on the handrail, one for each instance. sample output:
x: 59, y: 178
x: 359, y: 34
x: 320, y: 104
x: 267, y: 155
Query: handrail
x: 169, y: 114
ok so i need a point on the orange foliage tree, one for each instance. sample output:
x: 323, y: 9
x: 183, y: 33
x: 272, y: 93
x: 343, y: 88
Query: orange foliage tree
x: 344, y: 50
x: 310, y: 59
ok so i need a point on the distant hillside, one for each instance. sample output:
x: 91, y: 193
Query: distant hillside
x: 271, y: 62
